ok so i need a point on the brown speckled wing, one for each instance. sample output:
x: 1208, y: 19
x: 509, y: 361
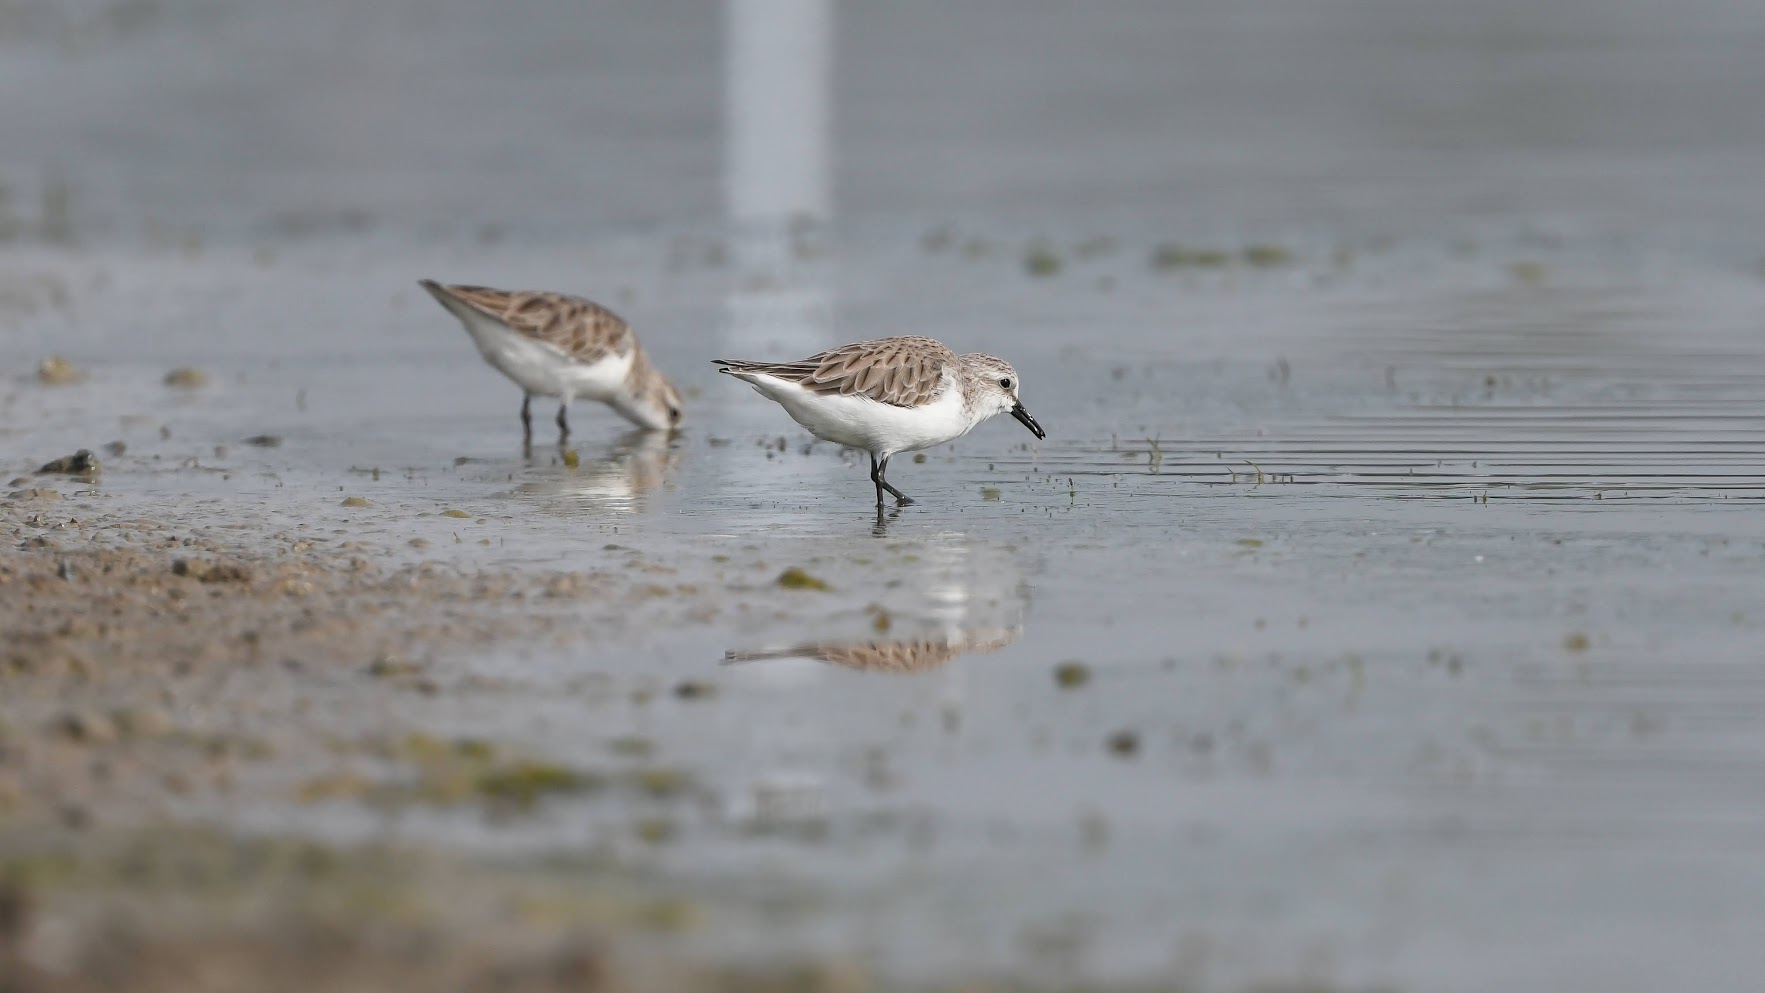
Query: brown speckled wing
x: 905, y: 372
x: 582, y: 329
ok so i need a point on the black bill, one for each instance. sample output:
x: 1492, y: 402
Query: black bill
x: 1024, y: 418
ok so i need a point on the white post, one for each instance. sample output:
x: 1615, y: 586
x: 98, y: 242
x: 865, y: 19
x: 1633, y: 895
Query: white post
x: 777, y: 109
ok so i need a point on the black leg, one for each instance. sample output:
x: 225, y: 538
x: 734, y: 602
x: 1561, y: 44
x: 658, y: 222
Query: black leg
x: 527, y: 420
x: 878, y: 475
x: 563, y: 422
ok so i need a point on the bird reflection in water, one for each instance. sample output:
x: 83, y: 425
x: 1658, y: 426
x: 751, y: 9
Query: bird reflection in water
x: 618, y: 480
x: 883, y: 519
x: 963, y: 598
x: 882, y: 655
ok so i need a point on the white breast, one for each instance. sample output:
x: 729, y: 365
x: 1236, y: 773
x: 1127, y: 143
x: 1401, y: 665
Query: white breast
x: 860, y: 422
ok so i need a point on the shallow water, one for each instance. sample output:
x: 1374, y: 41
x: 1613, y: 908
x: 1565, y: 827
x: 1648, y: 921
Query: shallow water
x: 1419, y: 567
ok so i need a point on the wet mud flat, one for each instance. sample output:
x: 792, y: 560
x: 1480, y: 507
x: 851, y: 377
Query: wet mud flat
x: 155, y: 680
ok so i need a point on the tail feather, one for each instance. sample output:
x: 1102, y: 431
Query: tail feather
x: 744, y: 371
x: 447, y: 298
x: 793, y: 372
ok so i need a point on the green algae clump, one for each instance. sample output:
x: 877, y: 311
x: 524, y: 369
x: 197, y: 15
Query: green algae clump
x: 1071, y: 675
x: 795, y: 578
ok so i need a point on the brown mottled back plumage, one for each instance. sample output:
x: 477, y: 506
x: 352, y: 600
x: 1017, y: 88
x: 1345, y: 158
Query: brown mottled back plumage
x: 904, y: 372
x: 581, y: 329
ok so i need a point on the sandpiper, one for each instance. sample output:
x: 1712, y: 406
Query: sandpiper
x: 555, y: 345
x: 889, y: 396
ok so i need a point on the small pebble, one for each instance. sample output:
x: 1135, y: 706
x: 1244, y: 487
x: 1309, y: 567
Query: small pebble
x: 80, y: 463
x: 1125, y: 743
x: 144, y: 723
x: 390, y: 666
x: 1071, y: 675
x: 1267, y: 256
x: 57, y: 371
x: 1169, y: 256
x: 694, y: 689
x: 87, y: 729
x: 1042, y: 261
x: 207, y: 571
x: 655, y: 830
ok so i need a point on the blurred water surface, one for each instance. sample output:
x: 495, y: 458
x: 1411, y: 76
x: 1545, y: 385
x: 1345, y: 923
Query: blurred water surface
x: 1376, y: 114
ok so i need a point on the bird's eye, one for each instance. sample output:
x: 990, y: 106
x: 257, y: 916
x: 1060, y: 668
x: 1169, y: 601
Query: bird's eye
x: 1006, y: 382
x: 674, y: 415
